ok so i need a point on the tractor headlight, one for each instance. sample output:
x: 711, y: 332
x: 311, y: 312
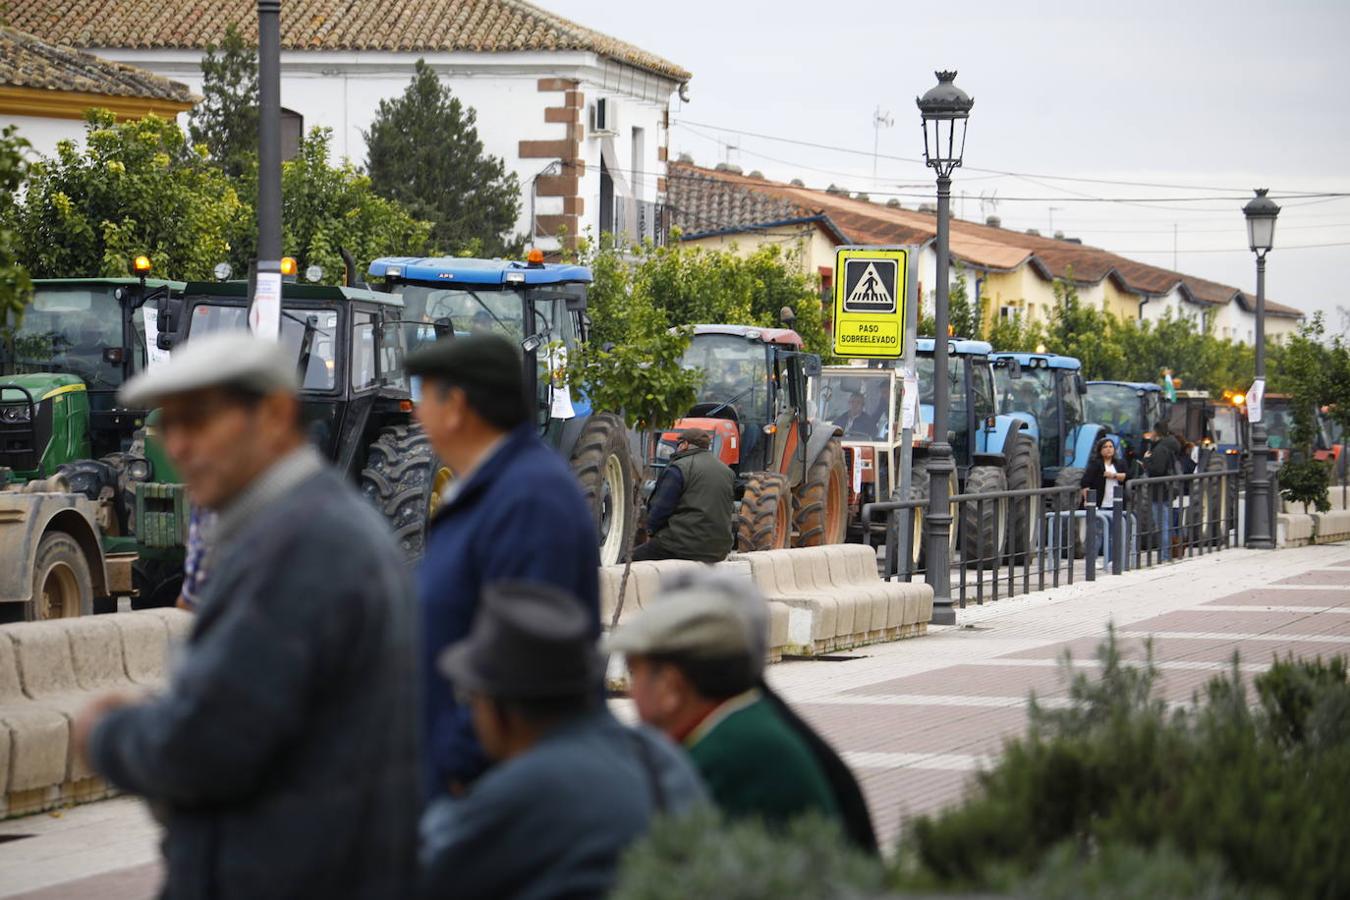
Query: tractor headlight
x: 139, y: 469
x: 23, y: 413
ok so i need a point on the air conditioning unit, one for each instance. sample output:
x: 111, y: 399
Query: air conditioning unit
x: 604, y: 117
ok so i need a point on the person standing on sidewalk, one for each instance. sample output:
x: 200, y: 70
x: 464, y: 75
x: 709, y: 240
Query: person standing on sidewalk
x: 284, y: 752
x: 513, y: 512
x: 689, y: 516
x: 1162, y: 459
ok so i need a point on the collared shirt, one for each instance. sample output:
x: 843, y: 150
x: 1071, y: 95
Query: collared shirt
x: 267, y: 488
x: 718, y: 715
x: 452, y: 489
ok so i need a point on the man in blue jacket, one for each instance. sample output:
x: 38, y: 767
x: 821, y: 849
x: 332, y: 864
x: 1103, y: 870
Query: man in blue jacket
x: 513, y: 512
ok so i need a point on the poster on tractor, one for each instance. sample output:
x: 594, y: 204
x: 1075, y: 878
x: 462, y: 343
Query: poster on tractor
x: 870, y: 301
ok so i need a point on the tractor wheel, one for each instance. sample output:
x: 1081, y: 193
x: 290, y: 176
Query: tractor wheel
x: 983, y: 531
x: 1024, y: 514
x: 62, y: 585
x: 403, y: 479
x: 157, y: 582
x: 919, y: 482
x: 1071, y: 476
x: 821, y: 501
x: 603, y: 468
x: 764, y: 519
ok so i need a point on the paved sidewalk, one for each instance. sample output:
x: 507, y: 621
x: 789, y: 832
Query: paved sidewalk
x: 915, y: 718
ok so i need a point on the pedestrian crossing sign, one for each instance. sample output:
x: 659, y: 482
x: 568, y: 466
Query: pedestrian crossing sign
x: 870, y: 301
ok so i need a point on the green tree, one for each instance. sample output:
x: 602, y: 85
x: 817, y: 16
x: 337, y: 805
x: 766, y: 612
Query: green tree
x: 226, y: 120
x: 136, y: 187
x: 424, y: 152
x: 15, y: 286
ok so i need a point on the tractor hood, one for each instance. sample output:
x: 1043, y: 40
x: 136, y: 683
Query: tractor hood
x: 40, y: 385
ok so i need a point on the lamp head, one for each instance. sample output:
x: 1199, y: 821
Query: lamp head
x: 944, y: 111
x: 1261, y: 212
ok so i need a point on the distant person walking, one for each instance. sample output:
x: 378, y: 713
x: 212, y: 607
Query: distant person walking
x: 572, y: 788
x: 514, y: 511
x: 1162, y: 459
x: 284, y: 751
x: 689, y: 516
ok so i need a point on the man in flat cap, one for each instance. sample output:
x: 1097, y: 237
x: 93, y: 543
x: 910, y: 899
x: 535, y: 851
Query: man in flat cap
x: 571, y: 787
x: 689, y: 516
x: 284, y: 752
x: 514, y: 511
x: 696, y: 664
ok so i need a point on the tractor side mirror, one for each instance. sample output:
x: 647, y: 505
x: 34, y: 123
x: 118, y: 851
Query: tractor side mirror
x: 1014, y: 369
x: 168, y: 319
x: 810, y: 365
x: 1079, y: 384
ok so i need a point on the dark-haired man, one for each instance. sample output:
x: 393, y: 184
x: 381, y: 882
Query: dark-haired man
x: 514, y: 511
x: 690, y: 512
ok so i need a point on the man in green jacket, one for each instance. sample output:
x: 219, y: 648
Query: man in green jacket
x: 689, y: 516
x: 696, y: 661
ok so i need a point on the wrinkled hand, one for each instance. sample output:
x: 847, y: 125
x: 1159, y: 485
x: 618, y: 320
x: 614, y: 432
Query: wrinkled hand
x: 91, y: 715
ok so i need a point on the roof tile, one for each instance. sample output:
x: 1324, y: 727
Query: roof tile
x: 28, y: 62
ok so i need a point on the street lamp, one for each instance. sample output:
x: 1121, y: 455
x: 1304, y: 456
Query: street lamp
x: 1260, y: 212
x: 944, y: 110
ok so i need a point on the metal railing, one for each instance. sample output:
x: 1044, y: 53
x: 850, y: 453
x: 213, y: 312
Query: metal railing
x: 1014, y: 542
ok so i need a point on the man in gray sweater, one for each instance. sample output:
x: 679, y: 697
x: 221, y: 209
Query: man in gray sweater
x: 283, y: 755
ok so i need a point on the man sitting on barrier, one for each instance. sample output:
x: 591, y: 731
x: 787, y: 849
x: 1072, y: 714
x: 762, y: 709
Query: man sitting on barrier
x: 696, y: 661
x: 689, y: 516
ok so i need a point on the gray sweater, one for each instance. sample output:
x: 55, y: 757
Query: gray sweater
x: 285, y: 749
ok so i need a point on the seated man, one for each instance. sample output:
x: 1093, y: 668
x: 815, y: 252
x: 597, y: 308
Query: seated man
x: 696, y: 659
x: 571, y: 787
x: 690, y: 513
x: 857, y: 421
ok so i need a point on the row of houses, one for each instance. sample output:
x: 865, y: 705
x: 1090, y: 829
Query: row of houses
x: 582, y: 119
x: 1010, y: 273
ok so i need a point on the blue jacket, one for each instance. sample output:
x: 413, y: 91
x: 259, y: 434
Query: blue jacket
x: 521, y: 515
x: 554, y: 821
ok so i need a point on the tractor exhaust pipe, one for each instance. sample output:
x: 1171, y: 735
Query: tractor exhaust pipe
x: 351, y: 278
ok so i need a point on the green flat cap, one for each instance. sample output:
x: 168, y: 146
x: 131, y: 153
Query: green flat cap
x: 703, y: 616
x: 481, y: 360
x: 220, y: 359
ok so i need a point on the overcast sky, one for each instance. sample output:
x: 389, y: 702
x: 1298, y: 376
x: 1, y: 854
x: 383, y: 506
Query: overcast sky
x: 1195, y: 95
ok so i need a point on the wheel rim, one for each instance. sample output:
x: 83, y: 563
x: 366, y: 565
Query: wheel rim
x: 439, y: 482
x: 613, y: 512
x: 834, y: 509
x: 781, y: 529
x: 60, y: 593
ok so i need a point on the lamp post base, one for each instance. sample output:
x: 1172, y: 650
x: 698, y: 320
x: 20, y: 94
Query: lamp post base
x: 1260, y: 530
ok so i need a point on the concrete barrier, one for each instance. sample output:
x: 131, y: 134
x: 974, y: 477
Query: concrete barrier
x: 49, y: 671
x: 1333, y: 525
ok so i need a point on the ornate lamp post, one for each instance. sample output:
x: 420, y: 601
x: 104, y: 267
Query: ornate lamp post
x: 944, y: 109
x: 1260, y: 212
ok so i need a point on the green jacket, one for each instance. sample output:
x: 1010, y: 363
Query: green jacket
x: 756, y: 766
x: 699, y: 526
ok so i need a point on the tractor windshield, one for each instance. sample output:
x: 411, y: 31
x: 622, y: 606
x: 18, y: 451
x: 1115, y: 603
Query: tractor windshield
x: 464, y: 311
x: 67, y: 328
x: 735, y: 375
x: 861, y: 402
x: 1120, y: 409
x: 1226, y: 426
x: 1279, y: 422
x: 320, y: 374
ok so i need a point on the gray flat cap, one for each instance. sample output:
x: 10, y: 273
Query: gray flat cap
x: 222, y: 359
x: 700, y: 616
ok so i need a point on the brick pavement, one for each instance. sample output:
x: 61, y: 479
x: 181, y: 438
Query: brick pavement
x: 916, y: 718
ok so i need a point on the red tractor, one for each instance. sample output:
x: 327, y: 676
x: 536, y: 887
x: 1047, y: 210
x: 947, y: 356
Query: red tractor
x: 791, y: 477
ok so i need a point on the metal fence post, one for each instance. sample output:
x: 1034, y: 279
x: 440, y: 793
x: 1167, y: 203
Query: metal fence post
x: 1118, y: 537
x: 1090, y: 535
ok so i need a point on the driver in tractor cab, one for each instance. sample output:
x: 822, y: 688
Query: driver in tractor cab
x: 856, y: 421
x: 692, y: 506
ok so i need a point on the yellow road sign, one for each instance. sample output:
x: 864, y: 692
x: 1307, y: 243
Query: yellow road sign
x: 870, y: 301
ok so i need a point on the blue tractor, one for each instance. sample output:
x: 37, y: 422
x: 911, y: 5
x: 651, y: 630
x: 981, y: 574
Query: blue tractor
x: 993, y: 452
x: 541, y: 307
x: 1046, y: 392
x: 1128, y: 410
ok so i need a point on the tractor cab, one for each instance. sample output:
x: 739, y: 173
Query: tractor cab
x: 790, y: 470
x: 79, y: 339
x: 863, y: 401
x: 541, y: 308
x: 1128, y: 410
x: 1046, y: 392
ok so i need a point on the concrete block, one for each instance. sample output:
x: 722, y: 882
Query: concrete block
x: 37, y: 739
x: 1293, y: 529
x: 779, y: 616
x: 1333, y: 525
x: 145, y: 647
x: 177, y: 621
x: 47, y: 673
x: 96, y: 653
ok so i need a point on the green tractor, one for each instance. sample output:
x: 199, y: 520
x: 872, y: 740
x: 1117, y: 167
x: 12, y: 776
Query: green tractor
x: 71, y: 457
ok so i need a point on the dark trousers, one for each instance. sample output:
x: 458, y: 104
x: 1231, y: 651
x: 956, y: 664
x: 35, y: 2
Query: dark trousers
x: 652, y: 551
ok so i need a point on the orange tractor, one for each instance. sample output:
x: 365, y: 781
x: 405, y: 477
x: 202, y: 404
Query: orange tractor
x: 791, y: 477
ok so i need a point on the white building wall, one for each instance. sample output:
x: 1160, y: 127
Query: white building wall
x: 342, y: 91
x: 45, y: 133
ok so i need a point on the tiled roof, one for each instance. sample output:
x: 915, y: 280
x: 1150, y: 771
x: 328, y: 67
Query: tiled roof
x: 27, y: 62
x: 706, y: 200
x: 485, y: 26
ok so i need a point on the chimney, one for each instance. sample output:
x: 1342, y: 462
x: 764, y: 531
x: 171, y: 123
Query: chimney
x: 685, y: 158
x: 1034, y: 232
x: 729, y: 167
x: 994, y: 222
x: 797, y: 182
x: 863, y: 197
x: 756, y: 173
x: 927, y: 208
x: 894, y: 203
x: 1059, y: 235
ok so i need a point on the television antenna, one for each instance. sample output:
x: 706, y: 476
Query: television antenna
x: 880, y: 120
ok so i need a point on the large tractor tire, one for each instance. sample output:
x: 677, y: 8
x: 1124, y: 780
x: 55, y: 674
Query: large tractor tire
x: 983, y: 531
x: 1071, y: 476
x: 63, y: 587
x: 1024, y: 514
x: 821, y: 501
x: 158, y: 583
x: 919, y: 481
x: 604, y: 470
x: 404, y: 480
x: 764, y: 519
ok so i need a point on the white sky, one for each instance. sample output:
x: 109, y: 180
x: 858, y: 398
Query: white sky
x: 1192, y: 94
